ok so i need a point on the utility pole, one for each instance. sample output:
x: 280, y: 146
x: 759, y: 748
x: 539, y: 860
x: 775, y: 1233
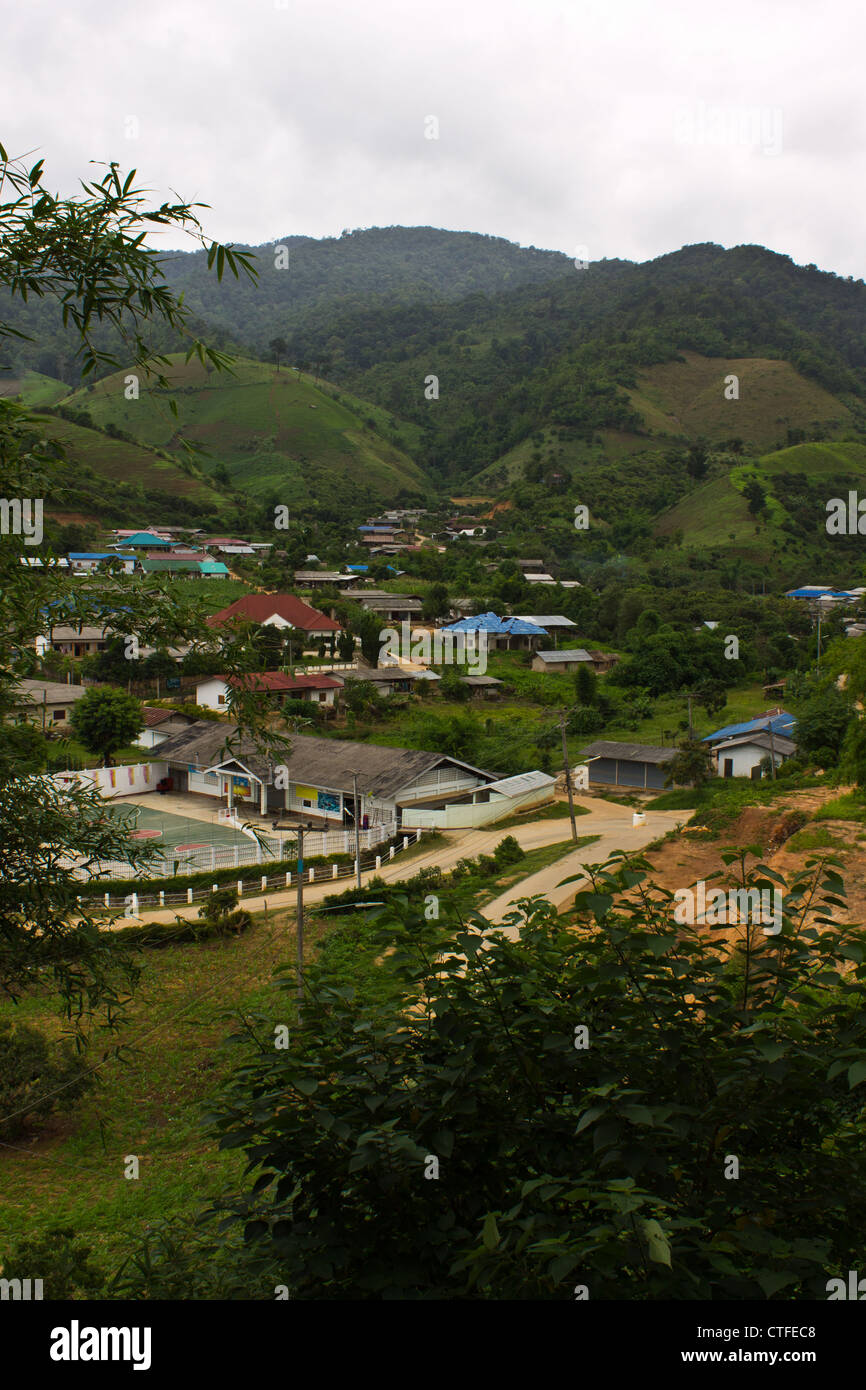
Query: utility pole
x: 772, y: 751
x: 301, y: 829
x: 691, y: 730
x: 562, y: 722
x: 357, y: 831
x: 819, y: 638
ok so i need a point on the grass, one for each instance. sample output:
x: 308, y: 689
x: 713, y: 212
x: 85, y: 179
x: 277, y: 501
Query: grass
x: 277, y: 434
x: 722, y: 800
x: 150, y: 1101
x: 850, y: 807
x: 554, y: 810
x: 148, y: 1104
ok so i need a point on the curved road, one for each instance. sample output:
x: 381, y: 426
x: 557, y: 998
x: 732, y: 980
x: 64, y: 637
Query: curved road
x: 611, y: 822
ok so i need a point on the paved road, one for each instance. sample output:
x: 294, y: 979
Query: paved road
x: 616, y: 832
x: 611, y: 822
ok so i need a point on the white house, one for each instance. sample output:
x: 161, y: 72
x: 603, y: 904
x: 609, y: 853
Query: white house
x: 214, y: 692
x: 742, y: 756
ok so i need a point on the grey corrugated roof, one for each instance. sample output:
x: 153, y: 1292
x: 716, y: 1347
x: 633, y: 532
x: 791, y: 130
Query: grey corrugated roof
x: 565, y: 654
x: 55, y: 692
x: 522, y: 782
x: 760, y: 740
x: 322, y: 762
x: 628, y: 752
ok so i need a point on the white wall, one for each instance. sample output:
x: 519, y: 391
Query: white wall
x: 744, y: 757
x: 129, y: 780
x: 208, y: 693
x: 481, y: 813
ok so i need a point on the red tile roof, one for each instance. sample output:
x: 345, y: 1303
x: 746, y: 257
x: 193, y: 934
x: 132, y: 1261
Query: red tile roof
x: 152, y: 717
x: 278, y: 680
x: 257, y: 608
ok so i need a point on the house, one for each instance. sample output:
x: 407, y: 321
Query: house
x: 488, y: 687
x: 169, y: 564
x: 160, y: 725
x: 144, y: 540
x: 602, y: 662
x: 185, y: 564
x: 778, y: 720
x: 530, y: 566
x: 627, y: 764
x: 314, y: 778
x: 382, y: 535
x: 391, y: 679
x: 512, y: 634
x: 213, y: 693
x: 277, y: 610
x: 85, y: 561
x: 554, y: 623
x: 47, y: 703
x: 565, y: 659
x: 72, y: 641
x: 392, y: 608
x: 540, y: 578
x: 323, y: 579
x: 483, y: 805
x: 742, y: 756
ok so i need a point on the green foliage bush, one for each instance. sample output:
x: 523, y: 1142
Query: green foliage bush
x: 36, y: 1077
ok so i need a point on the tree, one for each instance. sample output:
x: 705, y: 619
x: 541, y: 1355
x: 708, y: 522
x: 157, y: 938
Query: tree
x: 279, y: 347
x: 507, y: 1119
x: 692, y: 766
x: 756, y: 497
x: 823, y: 723
x: 436, y: 603
x: 90, y: 255
x: 585, y: 684
x: 105, y: 719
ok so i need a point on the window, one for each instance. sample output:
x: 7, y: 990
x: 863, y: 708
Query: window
x: 58, y: 714
x: 221, y: 699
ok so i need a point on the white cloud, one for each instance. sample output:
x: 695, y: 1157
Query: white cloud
x: 561, y: 124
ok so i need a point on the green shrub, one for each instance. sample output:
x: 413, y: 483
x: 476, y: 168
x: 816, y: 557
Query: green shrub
x: 35, y: 1077
x: 59, y: 1258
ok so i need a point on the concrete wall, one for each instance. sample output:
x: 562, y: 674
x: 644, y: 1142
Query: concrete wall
x: 129, y: 780
x: 744, y: 758
x: 468, y: 815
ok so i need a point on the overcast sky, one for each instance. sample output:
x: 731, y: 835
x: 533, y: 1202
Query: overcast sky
x: 626, y: 127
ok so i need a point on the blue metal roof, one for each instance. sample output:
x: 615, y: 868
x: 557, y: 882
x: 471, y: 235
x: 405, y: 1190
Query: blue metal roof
x: 489, y: 622
x: 97, y: 555
x: 782, y: 724
x: 147, y: 538
x: 813, y: 591
x: 359, y: 569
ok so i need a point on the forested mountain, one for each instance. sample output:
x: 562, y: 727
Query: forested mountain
x: 554, y: 384
x: 304, y: 283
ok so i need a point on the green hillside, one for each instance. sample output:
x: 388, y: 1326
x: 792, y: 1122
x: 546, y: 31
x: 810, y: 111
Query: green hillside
x: 687, y: 398
x: 797, y: 484
x: 276, y: 434
x: 34, y: 388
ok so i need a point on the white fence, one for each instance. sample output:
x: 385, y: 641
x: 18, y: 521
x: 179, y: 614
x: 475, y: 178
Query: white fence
x: 316, y: 873
x: 268, y: 847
